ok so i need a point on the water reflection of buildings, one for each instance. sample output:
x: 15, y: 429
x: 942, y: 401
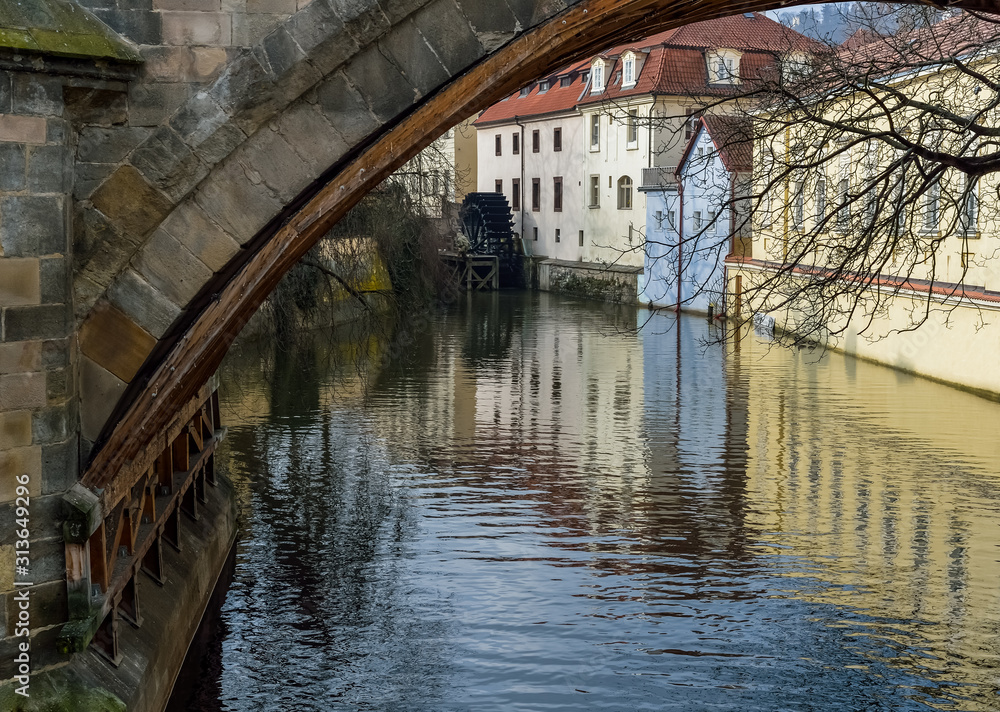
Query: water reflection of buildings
x: 882, y: 501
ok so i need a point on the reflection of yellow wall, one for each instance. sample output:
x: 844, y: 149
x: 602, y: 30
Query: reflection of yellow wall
x: 843, y: 460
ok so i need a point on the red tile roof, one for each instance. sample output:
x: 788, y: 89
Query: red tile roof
x: 538, y: 103
x: 733, y: 139
x: 674, y: 64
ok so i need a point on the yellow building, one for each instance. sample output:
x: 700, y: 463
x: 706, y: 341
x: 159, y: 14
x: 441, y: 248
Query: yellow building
x: 874, y: 211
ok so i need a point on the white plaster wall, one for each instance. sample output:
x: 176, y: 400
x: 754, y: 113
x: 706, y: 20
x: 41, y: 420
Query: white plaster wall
x: 544, y: 165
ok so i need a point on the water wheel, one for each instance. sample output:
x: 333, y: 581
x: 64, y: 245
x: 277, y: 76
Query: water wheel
x: 486, y: 220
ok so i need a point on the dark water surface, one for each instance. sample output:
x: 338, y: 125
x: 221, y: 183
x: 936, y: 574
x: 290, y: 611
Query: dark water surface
x: 537, y: 509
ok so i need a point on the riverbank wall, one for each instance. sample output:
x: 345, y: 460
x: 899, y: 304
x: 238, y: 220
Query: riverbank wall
x: 610, y: 283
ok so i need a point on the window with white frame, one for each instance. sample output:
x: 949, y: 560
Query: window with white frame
x: 820, y: 201
x: 931, y: 208
x: 597, y: 76
x: 969, y: 213
x: 628, y: 70
x: 595, y: 132
x: 595, y: 191
x: 696, y: 220
x: 632, y: 129
x: 624, y: 193
x: 723, y: 66
x: 798, y: 205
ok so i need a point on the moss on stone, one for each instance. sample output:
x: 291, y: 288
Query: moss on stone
x: 61, y: 28
x: 59, y: 690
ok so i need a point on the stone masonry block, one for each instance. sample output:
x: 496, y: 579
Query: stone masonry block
x: 57, y: 131
x: 276, y: 95
x: 112, y: 340
x: 60, y: 466
x: 20, y: 281
x: 100, y: 144
x: 169, y: 163
x: 386, y: 91
x: 87, y: 177
x: 50, y: 169
x: 191, y: 227
x: 99, y: 392
x: 493, y: 18
x: 314, y: 25
x: 55, y: 280
x: 58, y: 353
x: 5, y: 93
x: 100, y: 250
x: 15, y: 429
x: 183, y: 63
x: 20, y: 357
x: 530, y: 13
x: 6, y: 568
x: 13, y: 167
x: 48, y: 607
x: 86, y: 292
x: 191, y: 5
x: 197, y: 28
x: 398, y: 10
x: 236, y: 198
x: 46, y: 519
x: 220, y: 144
x: 16, y: 463
x: 281, y: 52
x: 37, y: 94
x: 249, y: 29
x: 410, y: 53
x: 31, y: 226
x: 170, y: 268
x: 139, y: 25
x: 151, y: 104
x: 279, y: 7
x: 364, y: 19
x: 49, y: 321
x: 448, y: 32
x: 22, y: 129
x: 345, y: 109
x: 22, y: 391
x: 58, y: 385
x: 198, y: 119
x: 131, y: 202
x: 281, y: 167
x: 95, y: 107
x: 53, y: 425
x: 145, y: 306
x: 308, y: 132
x: 333, y: 51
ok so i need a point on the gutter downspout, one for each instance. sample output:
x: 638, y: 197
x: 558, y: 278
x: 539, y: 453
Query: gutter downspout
x: 520, y: 198
x: 680, y: 238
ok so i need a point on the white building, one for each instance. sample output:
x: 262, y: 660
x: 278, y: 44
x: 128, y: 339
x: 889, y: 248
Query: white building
x: 625, y: 117
x: 531, y: 150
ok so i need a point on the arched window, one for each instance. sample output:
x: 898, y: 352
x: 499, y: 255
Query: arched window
x: 628, y: 70
x: 624, y: 193
x: 597, y: 76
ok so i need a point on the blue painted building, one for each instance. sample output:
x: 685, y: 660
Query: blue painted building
x: 693, y: 218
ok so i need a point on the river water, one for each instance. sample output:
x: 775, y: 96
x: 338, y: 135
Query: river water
x: 529, y: 505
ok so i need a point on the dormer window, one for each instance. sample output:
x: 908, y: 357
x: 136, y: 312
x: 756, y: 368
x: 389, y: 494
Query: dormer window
x: 628, y: 70
x: 794, y: 65
x: 525, y: 91
x: 597, y: 76
x: 723, y: 66
x: 543, y: 86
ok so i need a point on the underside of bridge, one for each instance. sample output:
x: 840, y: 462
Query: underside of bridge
x: 157, y: 182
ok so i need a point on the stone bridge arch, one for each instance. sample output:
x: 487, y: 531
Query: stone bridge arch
x: 204, y: 212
